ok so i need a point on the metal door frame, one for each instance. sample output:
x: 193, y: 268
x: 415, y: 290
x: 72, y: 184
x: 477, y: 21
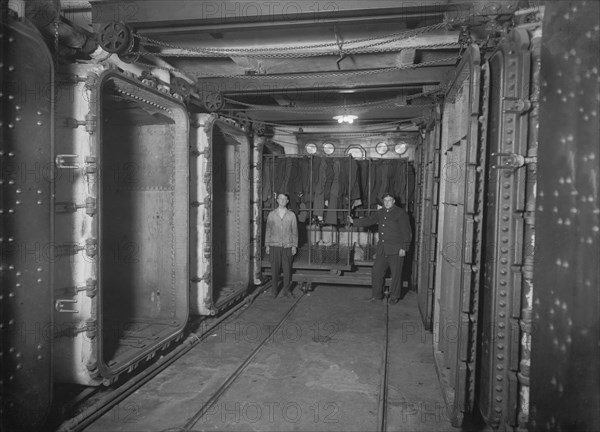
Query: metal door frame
x: 459, y: 383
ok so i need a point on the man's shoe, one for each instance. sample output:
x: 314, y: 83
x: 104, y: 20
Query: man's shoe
x: 371, y: 299
x: 393, y: 301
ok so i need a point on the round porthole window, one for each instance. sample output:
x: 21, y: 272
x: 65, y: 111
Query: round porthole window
x: 328, y: 148
x: 310, y: 148
x: 381, y: 148
x: 401, y: 148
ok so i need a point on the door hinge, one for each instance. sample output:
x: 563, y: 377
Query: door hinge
x: 515, y: 105
x: 89, y: 123
x: 90, y: 247
x: 512, y: 160
x: 71, y: 207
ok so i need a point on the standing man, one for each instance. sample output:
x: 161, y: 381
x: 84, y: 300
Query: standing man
x: 281, y: 241
x: 395, y: 236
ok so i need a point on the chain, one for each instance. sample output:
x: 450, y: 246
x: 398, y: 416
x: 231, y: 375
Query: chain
x: 56, y: 35
x: 284, y: 52
x: 349, y: 51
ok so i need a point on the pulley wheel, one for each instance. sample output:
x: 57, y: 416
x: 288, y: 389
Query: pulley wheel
x: 243, y: 120
x: 182, y: 87
x: 129, y: 57
x: 115, y: 37
x: 213, y: 101
x: 260, y: 128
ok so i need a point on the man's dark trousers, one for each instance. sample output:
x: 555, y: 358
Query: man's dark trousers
x: 281, y: 257
x: 382, y: 261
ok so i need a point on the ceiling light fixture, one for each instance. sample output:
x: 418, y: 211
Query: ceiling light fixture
x: 346, y: 118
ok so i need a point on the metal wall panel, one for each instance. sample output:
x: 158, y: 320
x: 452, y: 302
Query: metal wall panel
x: 565, y: 363
x: 508, y: 227
x: 26, y: 236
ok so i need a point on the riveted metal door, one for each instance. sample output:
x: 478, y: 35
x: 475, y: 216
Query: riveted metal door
x: 26, y: 188
x: 427, y: 228
x: 508, y: 226
x: 461, y: 195
x: 565, y: 353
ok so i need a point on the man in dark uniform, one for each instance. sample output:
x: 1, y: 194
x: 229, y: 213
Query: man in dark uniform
x: 395, y: 236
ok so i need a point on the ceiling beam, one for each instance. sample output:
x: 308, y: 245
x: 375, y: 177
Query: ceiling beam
x: 179, y: 13
x: 279, y: 25
x: 325, y: 64
x: 291, y: 85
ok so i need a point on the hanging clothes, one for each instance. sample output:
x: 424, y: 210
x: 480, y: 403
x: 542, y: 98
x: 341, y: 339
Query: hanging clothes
x: 280, y: 176
x: 410, y: 187
x: 320, y: 166
x: 329, y: 174
x: 399, y: 174
x: 382, y: 175
x: 331, y: 215
x: 363, y: 173
x: 305, y: 179
x: 294, y: 185
x: 354, y: 192
x: 375, y: 183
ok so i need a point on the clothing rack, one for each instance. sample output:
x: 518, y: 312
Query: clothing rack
x: 330, y: 220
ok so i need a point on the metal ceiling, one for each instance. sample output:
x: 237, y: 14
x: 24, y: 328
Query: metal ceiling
x: 300, y: 63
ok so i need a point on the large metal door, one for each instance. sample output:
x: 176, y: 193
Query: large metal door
x: 461, y: 196
x: 508, y: 228
x: 565, y: 371
x: 26, y: 190
x: 428, y: 190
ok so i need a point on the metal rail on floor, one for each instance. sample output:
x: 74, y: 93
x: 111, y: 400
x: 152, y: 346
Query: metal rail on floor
x: 223, y: 388
x: 382, y: 411
x: 112, y: 398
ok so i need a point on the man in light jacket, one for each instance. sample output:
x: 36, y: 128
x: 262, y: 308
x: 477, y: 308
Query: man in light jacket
x: 281, y: 243
x: 395, y: 235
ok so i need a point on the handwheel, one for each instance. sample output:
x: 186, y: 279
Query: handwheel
x: 115, y: 37
x: 213, y: 101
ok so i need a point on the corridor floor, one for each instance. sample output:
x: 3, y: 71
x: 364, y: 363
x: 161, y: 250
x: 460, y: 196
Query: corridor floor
x: 320, y: 371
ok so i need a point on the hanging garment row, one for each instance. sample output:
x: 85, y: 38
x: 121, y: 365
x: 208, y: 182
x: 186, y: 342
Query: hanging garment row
x: 330, y: 186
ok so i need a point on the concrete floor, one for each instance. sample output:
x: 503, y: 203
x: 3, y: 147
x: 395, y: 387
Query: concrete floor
x: 319, y: 372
